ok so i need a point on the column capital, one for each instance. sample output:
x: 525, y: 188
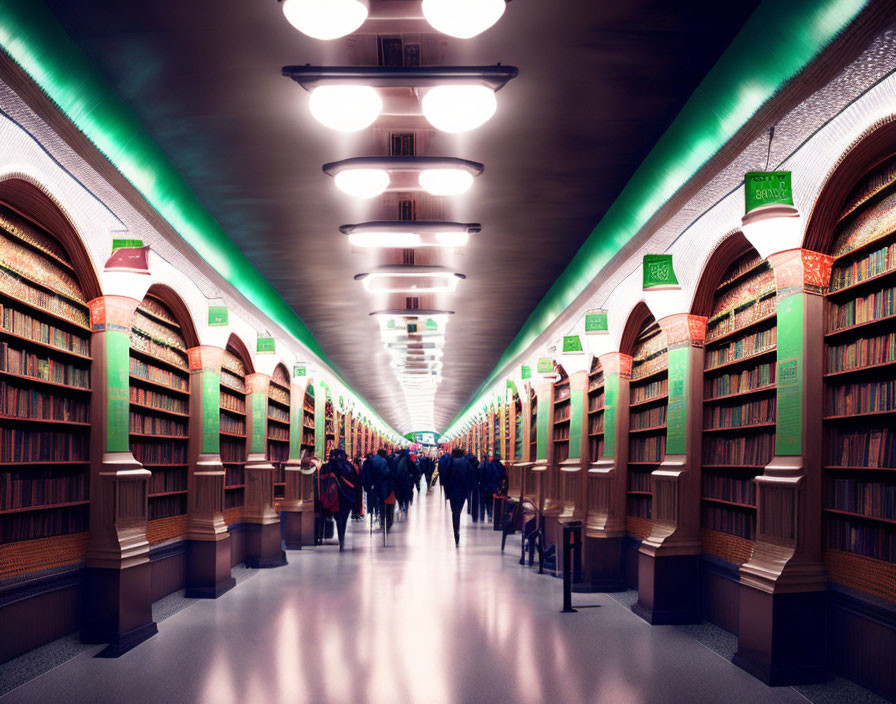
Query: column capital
x: 617, y: 363
x: 112, y: 313
x: 801, y: 270
x: 258, y: 383
x: 684, y: 328
x: 205, y: 358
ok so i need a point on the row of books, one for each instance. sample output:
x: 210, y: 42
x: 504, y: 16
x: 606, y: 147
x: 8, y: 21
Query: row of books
x: 865, y: 447
x: 561, y: 433
x: 648, y: 418
x: 649, y: 448
x: 862, y: 538
x: 142, y: 342
x: 867, y: 397
x: 36, y: 403
x: 279, y: 413
x: 308, y: 438
x: 154, y: 425
x: 308, y: 406
x: 15, y: 226
x: 737, y: 318
x: 760, y: 410
x: 146, y: 371
x: 595, y: 381
x: 877, y: 262
x: 22, y: 490
x: 30, y: 445
x: 167, y: 506
x: 640, y: 481
x: 646, y: 392
x: 232, y: 403
x: 19, y: 289
x: 233, y: 499
x: 741, y: 267
x: 862, y: 309
x: 23, y: 261
x: 42, y: 366
x: 229, y: 424
x: 747, y: 346
x: 727, y: 488
x: 278, y: 432
x: 596, y: 402
x: 561, y: 392
x: 655, y: 363
x: 157, y: 399
x: 595, y: 449
x: 596, y: 424
x: 753, y: 450
x: 24, y: 325
x: 278, y: 452
x: 562, y: 413
x: 27, y: 525
x: 231, y: 363
x: 165, y: 480
x: 161, y: 335
x: 757, y: 377
x: 860, y: 353
x: 233, y: 450
x: 868, y: 498
x: 159, y: 452
x: 729, y: 520
x: 151, y: 306
x: 639, y: 506
x: 561, y: 452
x: 233, y: 381
x: 234, y: 476
x: 279, y: 395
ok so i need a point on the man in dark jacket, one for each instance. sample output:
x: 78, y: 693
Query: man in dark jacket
x: 347, y: 482
x: 404, y: 487
x: 489, y: 483
x: 473, y: 508
x: 444, y: 472
x: 459, y: 485
x: 384, y: 483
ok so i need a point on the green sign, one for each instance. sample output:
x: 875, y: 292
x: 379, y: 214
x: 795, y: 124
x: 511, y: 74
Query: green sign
x: 265, y: 344
x: 432, y: 324
x: 525, y: 372
x: 572, y: 343
x: 300, y: 370
x: 126, y: 244
x: 596, y: 321
x: 545, y: 365
x: 658, y: 272
x: 217, y: 316
x: 767, y: 188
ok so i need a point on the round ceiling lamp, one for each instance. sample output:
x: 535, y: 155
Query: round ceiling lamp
x: 463, y: 18
x: 368, y: 176
x: 459, y: 108
x: 409, y: 233
x: 362, y: 183
x: 326, y: 19
x: 345, y: 108
x: 446, y: 182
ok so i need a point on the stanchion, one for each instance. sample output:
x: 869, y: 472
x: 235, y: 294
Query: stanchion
x: 572, y: 540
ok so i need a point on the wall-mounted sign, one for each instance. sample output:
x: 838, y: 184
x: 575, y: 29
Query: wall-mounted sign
x: 432, y: 324
x: 525, y: 372
x: 545, y: 365
x: 217, y: 316
x: 126, y: 244
x: 265, y: 344
x: 572, y: 344
x: 596, y: 321
x: 767, y: 188
x: 299, y: 370
x: 129, y: 258
x: 658, y: 272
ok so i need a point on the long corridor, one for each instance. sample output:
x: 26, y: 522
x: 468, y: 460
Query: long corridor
x: 415, y: 621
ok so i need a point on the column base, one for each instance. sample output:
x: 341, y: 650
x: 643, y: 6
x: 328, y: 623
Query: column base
x: 264, y: 546
x: 118, y: 608
x: 601, y: 565
x: 208, y: 568
x: 782, y: 637
x: 668, y: 589
x: 292, y: 529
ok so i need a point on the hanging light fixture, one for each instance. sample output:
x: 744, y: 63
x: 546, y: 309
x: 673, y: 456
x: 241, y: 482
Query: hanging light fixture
x: 409, y: 233
x: 454, y: 98
x: 326, y: 19
x: 362, y: 183
x: 411, y: 279
x: 463, y: 18
x: 369, y: 176
x: 446, y: 182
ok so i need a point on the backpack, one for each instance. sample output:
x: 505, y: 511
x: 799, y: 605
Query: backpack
x: 329, y: 491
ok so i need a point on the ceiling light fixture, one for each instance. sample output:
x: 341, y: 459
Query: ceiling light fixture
x: 410, y: 233
x: 369, y: 176
x: 463, y: 18
x: 326, y: 19
x: 454, y: 98
x: 411, y: 279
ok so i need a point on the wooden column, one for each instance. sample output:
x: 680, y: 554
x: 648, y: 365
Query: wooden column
x: 208, y: 546
x: 263, y: 544
x: 669, y: 558
x: 541, y: 467
x: 781, y: 633
x: 607, y: 477
x: 296, y: 515
x: 117, y: 589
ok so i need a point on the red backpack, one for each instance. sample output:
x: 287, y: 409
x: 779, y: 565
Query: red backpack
x: 329, y: 492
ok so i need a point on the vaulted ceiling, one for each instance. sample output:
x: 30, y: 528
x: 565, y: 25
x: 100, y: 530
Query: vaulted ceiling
x: 598, y: 84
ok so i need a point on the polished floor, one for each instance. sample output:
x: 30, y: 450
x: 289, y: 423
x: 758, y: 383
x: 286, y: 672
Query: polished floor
x: 415, y: 621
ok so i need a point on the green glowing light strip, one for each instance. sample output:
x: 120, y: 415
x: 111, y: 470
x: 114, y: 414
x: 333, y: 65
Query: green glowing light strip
x: 774, y: 45
x: 34, y: 39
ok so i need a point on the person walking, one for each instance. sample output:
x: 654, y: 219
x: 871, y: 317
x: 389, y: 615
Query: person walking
x: 489, y: 483
x: 459, y: 484
x: 444, y: 471
x: 473, y: 507
x: 347, y: 484
x: 384, y: 483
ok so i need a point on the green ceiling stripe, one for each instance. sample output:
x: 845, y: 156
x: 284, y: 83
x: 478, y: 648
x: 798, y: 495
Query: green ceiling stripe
x: 34, y: 39
x: 778, y: 41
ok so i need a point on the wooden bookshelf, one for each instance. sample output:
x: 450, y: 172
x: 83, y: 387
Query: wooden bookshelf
x: 739, y: 405
x: 647, y: 423
x: 45, y: 391
x: 517, y: 428
x: 595, y: 401
x: 308, y: 421
x: 533, y: 426
x: 233, y: 431
x: 160, y: 379
x: 329, y: 428
x: 860, y: 394
x: 278, y: 427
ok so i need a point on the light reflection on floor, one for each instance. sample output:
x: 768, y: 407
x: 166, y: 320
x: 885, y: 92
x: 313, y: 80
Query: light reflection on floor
x: 417, y: 621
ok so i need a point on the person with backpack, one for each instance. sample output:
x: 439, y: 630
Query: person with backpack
x: 444, y: 471
x: 459, y: 484
x: 473, y: 506
x: 489, y: 483
x: 384, y: 486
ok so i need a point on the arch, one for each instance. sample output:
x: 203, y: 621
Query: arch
x: 726, y: 252
x: 637, y: 319
x: 872, y: 148
x: 236, y: 346
x: 30, y: 202
x: 174, y: 303
x: 283, y: 371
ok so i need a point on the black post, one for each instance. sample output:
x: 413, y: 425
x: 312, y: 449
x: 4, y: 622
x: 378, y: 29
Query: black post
x: 571, y: 532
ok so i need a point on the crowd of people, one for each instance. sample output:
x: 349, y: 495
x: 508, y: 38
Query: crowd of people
x: 390, y: 479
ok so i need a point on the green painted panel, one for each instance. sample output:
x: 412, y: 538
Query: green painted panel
x: 676, y: 413
x: 259, y: 404
x: 211, y: 412
x: 118, y: 408
x: 611, y: 408
x: 295, y: 428
x: 788, y: 430
x: 576, y: 409
x: 541, y: 423
x: 320, y: 425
